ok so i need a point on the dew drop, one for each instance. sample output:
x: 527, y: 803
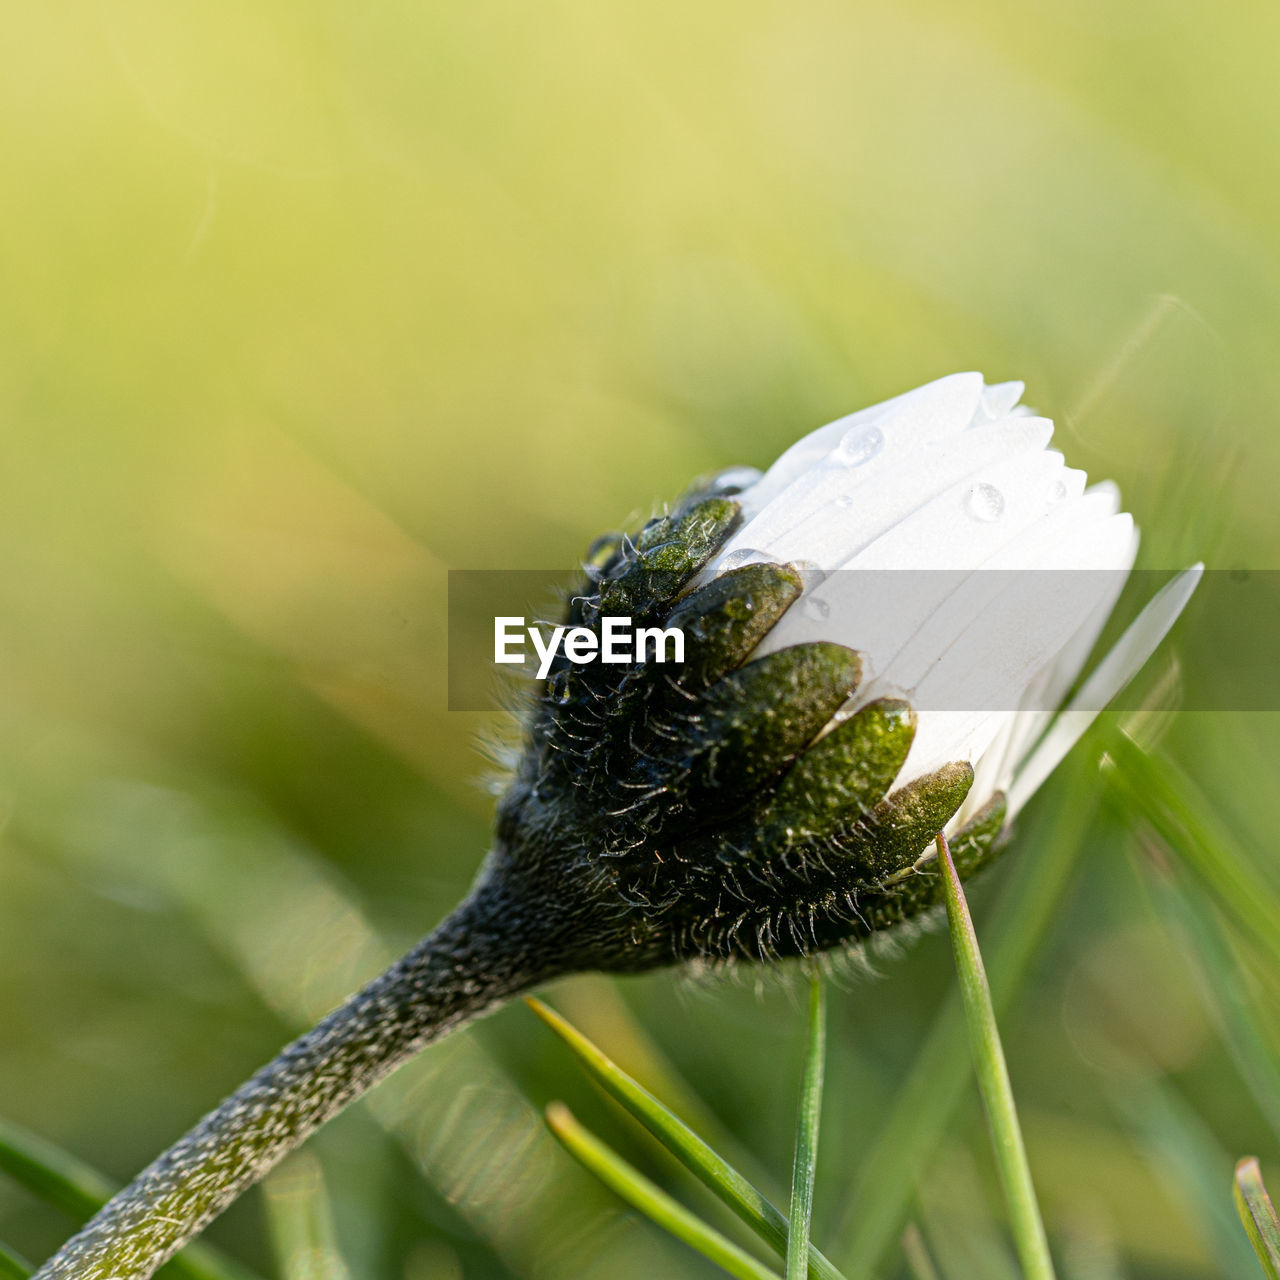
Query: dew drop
x: 844, y: 502
x: 985, y: 502
x: 560, y: 688
x: 1057, y: 492
x: 743, y: 555
x: 816, y: 608
x: 858, y: 446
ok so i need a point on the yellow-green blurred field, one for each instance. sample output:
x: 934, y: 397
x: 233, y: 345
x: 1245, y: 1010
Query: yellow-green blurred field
x: 303, y: 305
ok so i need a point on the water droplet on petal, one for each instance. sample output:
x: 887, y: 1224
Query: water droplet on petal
x: 858, y: 446
x: 844, y: 502
x: 743, y: 555
x: 1057, y: 492
x: 816, y: 608
x: 985, y: 502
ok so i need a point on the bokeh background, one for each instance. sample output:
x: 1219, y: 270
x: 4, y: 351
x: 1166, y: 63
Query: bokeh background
x: 303, y: 305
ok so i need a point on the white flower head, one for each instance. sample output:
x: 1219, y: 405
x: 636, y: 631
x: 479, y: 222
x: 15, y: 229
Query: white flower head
x: 969, y: 566
x: 880, y: 632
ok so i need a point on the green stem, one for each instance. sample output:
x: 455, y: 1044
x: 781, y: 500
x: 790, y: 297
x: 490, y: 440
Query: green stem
x: 469, y: 965
x: 993, y: 1080
x: 806, y: 1154
x: 931, y: 1091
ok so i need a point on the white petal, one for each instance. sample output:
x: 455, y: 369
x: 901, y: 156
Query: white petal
x: 832, y: 511
x: 998, y: 401
x: 945, y: 534
x: 991, y: 664
x: 920, y: 416
x: 1120, y: 665
x: 999, y: 628
x: 969, y: 668
x: 887, y: 592
x: 1045, y: 693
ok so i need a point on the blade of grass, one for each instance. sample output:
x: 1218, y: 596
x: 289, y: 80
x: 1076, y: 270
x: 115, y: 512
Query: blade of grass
x: 1185, y: 819
x: 51, y: 1175
x: 993, y: 1079
x: 73, y: 1187
x: 651, y: 1200
x: 716, y: 1174
x: 1186, y: 1157
x: 594, y: 1004
x: 806, y: 1155
x: 301, y: 1223
x: 916, y: 1252
x: 1258, y: 1215
x: 12, y: 1266
x: 1218, y: 974
x: 925, y: 1102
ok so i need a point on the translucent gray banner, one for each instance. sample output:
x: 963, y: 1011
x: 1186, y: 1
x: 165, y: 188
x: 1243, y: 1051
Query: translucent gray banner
x: 947, y: 640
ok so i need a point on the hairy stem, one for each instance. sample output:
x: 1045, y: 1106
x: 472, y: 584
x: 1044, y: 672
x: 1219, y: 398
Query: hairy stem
x: 474, y: 961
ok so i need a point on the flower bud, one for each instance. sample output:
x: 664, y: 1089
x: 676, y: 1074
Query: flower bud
x: 780, y: 791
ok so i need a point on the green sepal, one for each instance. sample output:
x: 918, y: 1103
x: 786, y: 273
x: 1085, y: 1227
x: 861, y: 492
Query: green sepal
x: 724, y: 620
x: 843, y: 775
x: 899, y: 829
x: 919, y: 887
x: 753, y: 722
x: 667, y: 553
x: 973, y: 846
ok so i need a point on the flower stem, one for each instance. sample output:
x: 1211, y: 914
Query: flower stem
x: 993, y: 1080
x: 806, y: 1156
x: 471, y: 963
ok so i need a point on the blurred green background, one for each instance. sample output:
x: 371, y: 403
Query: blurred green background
x: 302, y: 305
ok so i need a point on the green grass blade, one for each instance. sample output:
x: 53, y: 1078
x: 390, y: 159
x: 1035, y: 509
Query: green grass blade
x: 1187, y: 822
x: 807, y: 1119
x: 301, y: 1222
x: 52, y: 1175
x: 1038, y: 877
x: 1258, y: 1215
x: 651, y: 1200
x: 73, y: 1187
x: 716, y: 1174
x: 993, y: 1080
x: 1223, y: 988
x: 1186, y: 1157
x: 936, y: 1084
x: 916, y: 1252
x: 13, y: 1267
